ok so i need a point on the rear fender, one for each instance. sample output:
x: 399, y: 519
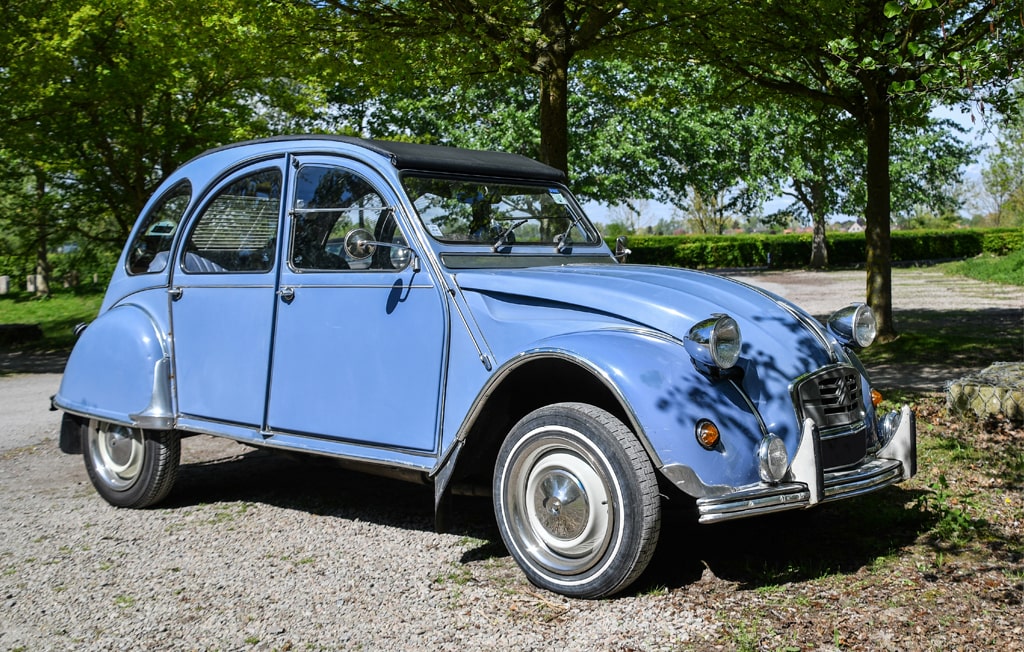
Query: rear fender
x: 119, y: 371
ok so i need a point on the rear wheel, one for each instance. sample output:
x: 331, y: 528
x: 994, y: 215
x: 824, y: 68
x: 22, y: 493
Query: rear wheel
x: 130, y: 467
x: 576, y: 500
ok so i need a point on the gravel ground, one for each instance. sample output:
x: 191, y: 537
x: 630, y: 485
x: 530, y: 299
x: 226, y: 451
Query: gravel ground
x: 254, y: 551
x: 261, y: 551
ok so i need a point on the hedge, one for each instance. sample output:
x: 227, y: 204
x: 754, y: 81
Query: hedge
x: 794, y: 250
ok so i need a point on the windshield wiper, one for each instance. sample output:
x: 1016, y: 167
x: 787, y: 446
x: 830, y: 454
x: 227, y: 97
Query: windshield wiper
x: 564, y: 241
x: 500, y: 242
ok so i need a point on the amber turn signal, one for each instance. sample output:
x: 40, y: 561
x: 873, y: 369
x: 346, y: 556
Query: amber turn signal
x: 707, y: 434
x: 876, y: 397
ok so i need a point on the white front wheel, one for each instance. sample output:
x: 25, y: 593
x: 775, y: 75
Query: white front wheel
x: 576, y: 500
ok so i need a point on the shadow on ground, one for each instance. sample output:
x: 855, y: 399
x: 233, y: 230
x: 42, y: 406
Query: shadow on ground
x: 766, y: 551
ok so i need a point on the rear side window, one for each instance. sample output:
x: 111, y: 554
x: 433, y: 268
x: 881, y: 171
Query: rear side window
x: 237, y: 231
x: 152, y: 244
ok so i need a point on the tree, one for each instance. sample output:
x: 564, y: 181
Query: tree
x: 1003, y: 175
x: 448, y: 43
x: 105, y: 98
x: 878, y: 62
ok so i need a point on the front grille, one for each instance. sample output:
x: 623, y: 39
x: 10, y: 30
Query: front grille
x: 833, y: 399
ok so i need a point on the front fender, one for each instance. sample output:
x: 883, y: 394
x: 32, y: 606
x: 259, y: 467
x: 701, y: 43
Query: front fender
x: 666, y: 397
x: 119, y: 371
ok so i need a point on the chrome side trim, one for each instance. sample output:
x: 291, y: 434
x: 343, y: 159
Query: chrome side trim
x: 159, y: 414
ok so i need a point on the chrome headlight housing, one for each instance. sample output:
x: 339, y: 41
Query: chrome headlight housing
x: 773, y: 461
x: 854, y: 325
x: 715, y: 341
x: 888, y: 424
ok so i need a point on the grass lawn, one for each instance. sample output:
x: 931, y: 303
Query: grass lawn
x: 56, y: 315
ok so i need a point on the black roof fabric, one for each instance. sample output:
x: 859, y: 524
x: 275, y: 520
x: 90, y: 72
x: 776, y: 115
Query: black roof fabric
x: 437, y: 158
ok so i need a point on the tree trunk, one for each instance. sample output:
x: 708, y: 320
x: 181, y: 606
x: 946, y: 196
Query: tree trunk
x: 819, y: 247
x: 554, y: 115
x: 42, y: 230
x: 877, y: 218
x: 550, y: 62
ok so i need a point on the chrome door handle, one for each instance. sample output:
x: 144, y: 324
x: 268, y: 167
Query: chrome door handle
x: 175, y: 293
x: 287, y: 294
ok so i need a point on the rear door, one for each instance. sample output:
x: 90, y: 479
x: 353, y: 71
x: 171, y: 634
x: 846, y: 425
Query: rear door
x: 222, y: 294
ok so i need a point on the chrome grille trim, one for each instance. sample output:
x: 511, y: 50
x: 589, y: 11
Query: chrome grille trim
x: 833, y: 399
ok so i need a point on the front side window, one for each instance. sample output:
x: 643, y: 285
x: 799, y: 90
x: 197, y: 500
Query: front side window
x: 237, y: 230
x: 335, y: 216
x: 151, y: 247
x: 476, y: 212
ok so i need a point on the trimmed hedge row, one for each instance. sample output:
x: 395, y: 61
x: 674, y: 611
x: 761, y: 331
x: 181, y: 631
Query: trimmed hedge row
x: 794, y: 250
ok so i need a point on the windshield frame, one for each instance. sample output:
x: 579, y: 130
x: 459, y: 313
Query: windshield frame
x: 495, y: 240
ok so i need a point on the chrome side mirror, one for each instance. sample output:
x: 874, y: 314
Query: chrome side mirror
x: 360, y: 245
x: 620, y: 249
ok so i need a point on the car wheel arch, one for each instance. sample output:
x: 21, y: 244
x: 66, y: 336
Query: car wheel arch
x: 528, y: 382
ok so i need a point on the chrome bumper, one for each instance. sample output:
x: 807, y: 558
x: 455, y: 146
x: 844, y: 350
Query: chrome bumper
x: 807, y: 484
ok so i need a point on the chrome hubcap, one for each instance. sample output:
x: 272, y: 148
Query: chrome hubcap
x: 561, y: 508
x: 117, y: 453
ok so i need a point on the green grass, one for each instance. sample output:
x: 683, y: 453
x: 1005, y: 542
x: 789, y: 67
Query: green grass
x: 1008, y: 270
x: 969, y: 338
x: 56, y: 315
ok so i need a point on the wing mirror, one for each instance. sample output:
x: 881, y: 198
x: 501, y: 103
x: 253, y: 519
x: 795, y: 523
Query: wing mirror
x: 360, y: 245
x: 620, y: 249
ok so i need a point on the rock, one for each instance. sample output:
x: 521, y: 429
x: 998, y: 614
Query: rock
x: 996, y: 389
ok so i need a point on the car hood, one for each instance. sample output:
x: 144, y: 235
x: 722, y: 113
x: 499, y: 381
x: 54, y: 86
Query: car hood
x: 670, y: 300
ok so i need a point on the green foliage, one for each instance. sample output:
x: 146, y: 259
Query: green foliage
x: 954, y: 523
x: 104, y: 98
x: 791, y: 251
x: 1004, y: 174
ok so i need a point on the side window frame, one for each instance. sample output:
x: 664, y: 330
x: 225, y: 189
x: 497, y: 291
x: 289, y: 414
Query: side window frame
x: 244, y: 236
x: 378, y: 259
x: 157, y: 232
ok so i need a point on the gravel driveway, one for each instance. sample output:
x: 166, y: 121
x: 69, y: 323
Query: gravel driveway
x: 259, y: 551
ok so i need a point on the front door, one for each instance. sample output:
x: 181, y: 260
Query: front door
x: 223, y: 299
x: 360, y: 339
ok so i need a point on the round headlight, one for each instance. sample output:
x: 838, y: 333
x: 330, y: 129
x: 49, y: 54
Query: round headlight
x: 772, y: 458
x: 715, y: 341
x: 854, y: 324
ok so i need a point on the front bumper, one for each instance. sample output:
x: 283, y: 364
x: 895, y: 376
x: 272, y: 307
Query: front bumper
x: 807, y: 484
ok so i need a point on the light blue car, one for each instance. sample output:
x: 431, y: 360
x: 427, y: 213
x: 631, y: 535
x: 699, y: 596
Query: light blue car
x: 452, y: 317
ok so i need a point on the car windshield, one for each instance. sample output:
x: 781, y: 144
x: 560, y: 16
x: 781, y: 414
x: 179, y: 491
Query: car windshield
x: 498, y: 215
